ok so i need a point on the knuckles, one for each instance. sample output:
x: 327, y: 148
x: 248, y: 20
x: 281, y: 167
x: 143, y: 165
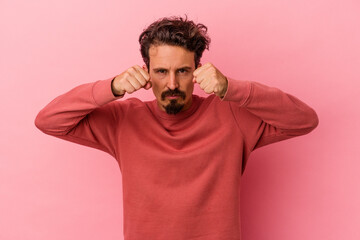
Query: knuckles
x: 128, y: 80
x: 132, y: 69
x: 126, y: 74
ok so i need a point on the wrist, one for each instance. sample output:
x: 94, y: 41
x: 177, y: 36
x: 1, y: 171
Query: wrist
x: 116, y: 93
x: 224, y: 90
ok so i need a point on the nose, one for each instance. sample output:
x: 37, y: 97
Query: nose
x: 172, y: 82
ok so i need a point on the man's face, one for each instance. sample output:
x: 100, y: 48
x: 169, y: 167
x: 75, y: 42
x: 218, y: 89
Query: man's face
x: 171, y: 69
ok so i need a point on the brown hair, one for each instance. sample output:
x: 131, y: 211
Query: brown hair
x: 175, y: 31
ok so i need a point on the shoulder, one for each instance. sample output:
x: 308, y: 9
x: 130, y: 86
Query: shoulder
x: 213, y: 104
x: 213, y: 100
x: 129, y: 102
x: 126, y: 105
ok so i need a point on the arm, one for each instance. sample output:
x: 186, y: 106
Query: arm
x: 85, y: 115
x: 275, y: 115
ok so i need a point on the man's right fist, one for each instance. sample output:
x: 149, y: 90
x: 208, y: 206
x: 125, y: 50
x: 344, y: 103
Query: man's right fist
x: 131, y: 80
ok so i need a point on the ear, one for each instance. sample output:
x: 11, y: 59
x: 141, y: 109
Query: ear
x: 145, y: 67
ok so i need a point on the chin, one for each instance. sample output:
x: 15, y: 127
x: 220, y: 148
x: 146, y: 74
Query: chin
x: 173, y: 107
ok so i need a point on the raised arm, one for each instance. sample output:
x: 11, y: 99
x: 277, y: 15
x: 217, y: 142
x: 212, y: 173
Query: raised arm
x: 264, y: 114
x: 275, y: 115
x: 85, y: 115
x: 88, y: 114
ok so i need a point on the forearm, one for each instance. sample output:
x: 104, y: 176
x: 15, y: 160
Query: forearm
x: 273, y: 106
x: 67, y: 110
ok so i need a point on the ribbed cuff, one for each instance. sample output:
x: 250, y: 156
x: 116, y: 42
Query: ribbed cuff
x: 102, y: 92
x: 237, y: 91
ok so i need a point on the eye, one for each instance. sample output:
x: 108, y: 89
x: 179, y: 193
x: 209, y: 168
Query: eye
x: 161, y: 71
x: 182, y: 70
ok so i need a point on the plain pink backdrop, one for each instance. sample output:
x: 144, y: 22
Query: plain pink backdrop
x: 303, y: 188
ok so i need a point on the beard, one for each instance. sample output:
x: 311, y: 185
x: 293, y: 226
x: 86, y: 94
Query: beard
x: 173, y: 107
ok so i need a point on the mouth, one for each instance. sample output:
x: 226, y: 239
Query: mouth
x: 175, y: 94
x: 172, y: 96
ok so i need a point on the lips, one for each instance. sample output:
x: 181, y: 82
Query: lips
x: 173, y: 96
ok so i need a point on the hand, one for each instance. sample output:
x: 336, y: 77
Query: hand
x: 131, y: 80
x: 211, y: 80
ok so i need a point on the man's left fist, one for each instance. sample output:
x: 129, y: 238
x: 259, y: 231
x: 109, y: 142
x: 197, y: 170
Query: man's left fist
x: 210, y: 79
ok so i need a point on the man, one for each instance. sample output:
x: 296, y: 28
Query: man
x: 181, y: 155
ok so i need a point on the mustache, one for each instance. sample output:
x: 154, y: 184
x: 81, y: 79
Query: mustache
x: 175, y: 92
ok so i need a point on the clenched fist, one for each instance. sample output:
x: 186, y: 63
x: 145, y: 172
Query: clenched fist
x: 211, y: 80
x: 131, y: 80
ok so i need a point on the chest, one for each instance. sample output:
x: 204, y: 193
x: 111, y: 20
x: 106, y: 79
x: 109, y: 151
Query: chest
x: 206, y: 142
x: 210, y: 127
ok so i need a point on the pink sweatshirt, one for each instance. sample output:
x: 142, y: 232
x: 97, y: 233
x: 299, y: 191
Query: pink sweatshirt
x: 180, y: 173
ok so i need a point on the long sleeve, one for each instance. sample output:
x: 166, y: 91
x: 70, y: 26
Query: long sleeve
x: 87, y: 115
x: 275, y: 115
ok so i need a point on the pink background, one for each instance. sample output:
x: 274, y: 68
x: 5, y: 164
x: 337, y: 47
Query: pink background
x: 303, y: 188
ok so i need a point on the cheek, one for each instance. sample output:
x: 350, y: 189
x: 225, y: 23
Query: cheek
x: 190, y: 86
x: 156, y: 88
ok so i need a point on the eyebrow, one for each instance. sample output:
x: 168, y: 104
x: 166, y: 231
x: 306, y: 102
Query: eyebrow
x: 161, y: 68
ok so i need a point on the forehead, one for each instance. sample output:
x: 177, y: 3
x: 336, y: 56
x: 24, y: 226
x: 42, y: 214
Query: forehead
x: 170, y: 56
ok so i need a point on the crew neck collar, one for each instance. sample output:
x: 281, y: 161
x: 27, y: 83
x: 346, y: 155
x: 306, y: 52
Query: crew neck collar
x: 179, y: 116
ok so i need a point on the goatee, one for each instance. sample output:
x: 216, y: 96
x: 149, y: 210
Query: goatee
x: 173, y: 107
